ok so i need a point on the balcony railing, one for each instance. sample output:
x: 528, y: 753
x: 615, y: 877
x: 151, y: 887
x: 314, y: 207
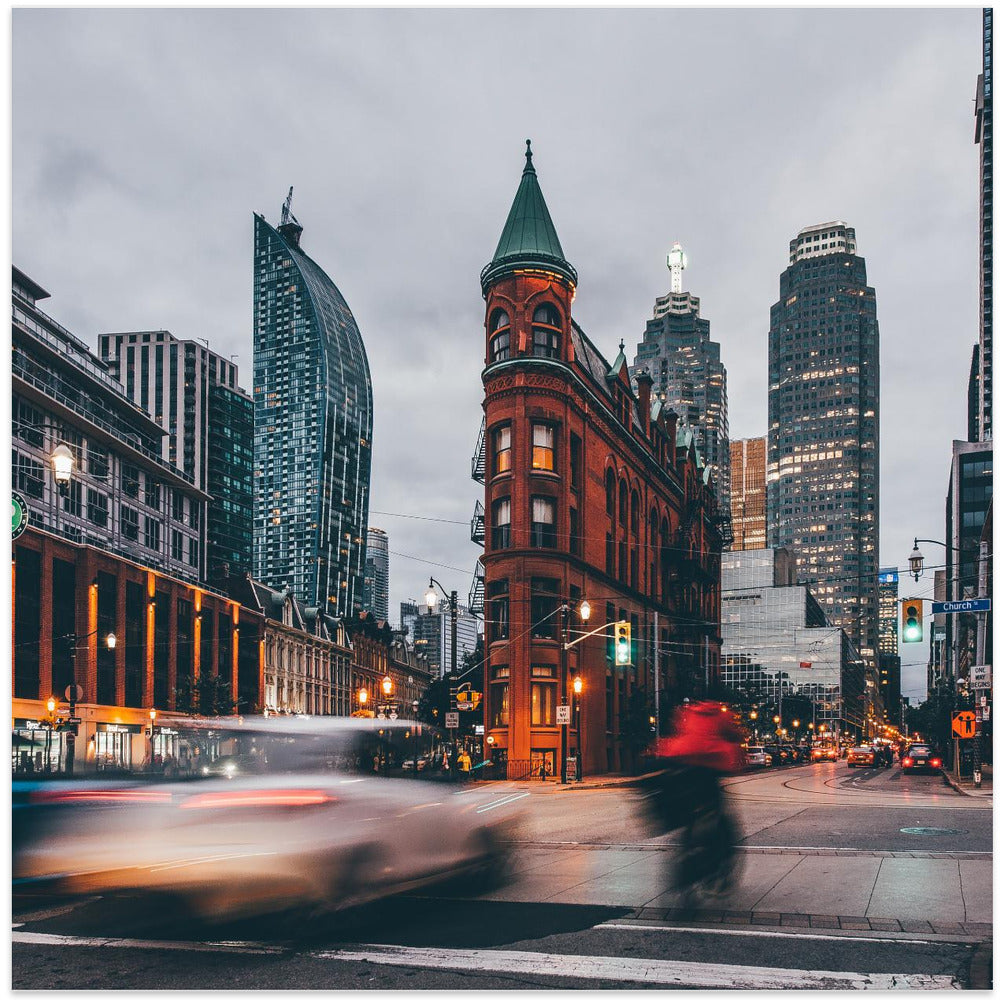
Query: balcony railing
x: 478, y: 525
x: 479, y: 458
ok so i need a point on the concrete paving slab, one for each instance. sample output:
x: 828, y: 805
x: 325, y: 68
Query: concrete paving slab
x: 825, y: 885
x: 580, y: 865
x: 911, y: 888
x: 977, y: 890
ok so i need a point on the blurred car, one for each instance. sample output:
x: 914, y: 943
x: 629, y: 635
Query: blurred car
x: 757, y: 757
x: 825, y: 753
x: 862, y: 756
x: 306, y: 826
x: 920, y: 757
x: 782, y: 754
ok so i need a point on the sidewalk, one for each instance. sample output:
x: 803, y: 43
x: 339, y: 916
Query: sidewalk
x: 966, y: 787
x: 922, y: 892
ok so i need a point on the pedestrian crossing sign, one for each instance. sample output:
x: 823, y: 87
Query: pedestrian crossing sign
x: 963, y: 724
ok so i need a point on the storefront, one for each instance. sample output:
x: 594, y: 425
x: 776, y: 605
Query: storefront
x: 36, y: 748
x: 111, y: 750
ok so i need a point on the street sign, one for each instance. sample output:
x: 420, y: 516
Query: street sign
x: 451, y: 720
x: 74, y: 692
x: 963, y: 724
x: 562, y: 715
x: 19, y: 513
x: 74, y: 720
x: 957, y: 607
x: 980, y: 672
x: 571, y: 769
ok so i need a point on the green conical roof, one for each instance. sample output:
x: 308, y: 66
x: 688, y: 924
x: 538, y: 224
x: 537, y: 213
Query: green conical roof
x: 528, y: 237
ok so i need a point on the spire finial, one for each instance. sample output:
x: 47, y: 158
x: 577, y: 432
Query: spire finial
x: 528, y: 166
x: 621, y: 346
x: 286, y: 209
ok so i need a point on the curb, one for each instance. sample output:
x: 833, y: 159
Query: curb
x: 957, y: 785
x: 981, y: 967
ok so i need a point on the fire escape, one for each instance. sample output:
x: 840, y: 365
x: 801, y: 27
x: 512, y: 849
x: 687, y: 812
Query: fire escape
x: 477, y: 527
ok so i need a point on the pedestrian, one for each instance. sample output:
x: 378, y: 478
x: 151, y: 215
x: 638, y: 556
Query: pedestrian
x: 464, y: 764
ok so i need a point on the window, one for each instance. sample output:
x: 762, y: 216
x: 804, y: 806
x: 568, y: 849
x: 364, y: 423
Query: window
x: 178, y: 506
x: 499, y: 336
x: 545, y: 332
x: 543, y: 696
x: 130, y: 480
x: 501, y: 450
x: 28, y: 423
x: 177, y: 546
x: 152, y: 493
x: 499, y: 613
x: 193, y: 551
x: 543, y: 447
x: 97, y: 508
x: 500, y: 697
x: 130, y: 523
x: 195, y: 515
x: 544, y: 606
x: 609, y: 554
x: 97, y: 461
x: 609, y: 492
x: 574, y: 461
x: 635, y: 512
x: 574, y: 531
x: 28, y: 476
x: 152, y: 538
x: 543, y: 522
x: 72, y: 499
x: 500, y: 522
x: 623, y: 503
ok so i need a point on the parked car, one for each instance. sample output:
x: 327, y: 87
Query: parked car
x: 920, y: 757
x: 757, y: 757
x: 862, y: 756
x: 308, y: 826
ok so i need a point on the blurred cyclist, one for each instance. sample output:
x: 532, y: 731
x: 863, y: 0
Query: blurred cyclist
x: 704, y: 746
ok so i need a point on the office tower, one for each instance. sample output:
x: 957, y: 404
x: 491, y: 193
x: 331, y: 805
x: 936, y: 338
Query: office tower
x: 823, y: 427
x: 888, y: 644
x: 970, y: 491
x: 687, y: 370
x: 973, y: 396
x: 431, y: 636
x: 313, y: 427
x: 193, y: 394
x: 778, y: 645
x: 377, y: 574
x: 748, y: 495
x: 984, y: 139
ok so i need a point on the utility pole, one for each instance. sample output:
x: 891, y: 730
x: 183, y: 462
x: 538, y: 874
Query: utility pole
x: 656, y: 668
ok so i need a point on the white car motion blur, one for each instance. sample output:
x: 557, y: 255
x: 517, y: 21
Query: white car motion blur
x: 276, y: 814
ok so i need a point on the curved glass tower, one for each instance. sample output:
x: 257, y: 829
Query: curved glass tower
x: 312, y: 427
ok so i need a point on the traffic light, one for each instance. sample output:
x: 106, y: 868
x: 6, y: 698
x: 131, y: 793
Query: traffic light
x: 913, y: 620
x: 623, y: 644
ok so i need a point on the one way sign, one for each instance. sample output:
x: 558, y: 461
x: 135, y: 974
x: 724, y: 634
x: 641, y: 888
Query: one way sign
x: 963, y: 724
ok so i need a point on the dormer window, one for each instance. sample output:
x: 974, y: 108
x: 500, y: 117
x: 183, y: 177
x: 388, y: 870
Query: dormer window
x: 545, y: 332
x: 499, y: 336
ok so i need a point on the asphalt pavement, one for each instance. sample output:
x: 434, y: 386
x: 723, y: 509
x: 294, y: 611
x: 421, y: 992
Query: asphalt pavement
x: 849, y: 879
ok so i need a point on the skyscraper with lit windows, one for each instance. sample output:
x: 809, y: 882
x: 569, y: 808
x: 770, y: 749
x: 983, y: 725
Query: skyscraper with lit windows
x: 312, y: 427
x: 823, y: 427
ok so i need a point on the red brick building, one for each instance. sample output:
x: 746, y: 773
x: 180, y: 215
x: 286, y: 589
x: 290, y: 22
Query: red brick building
x: 592, y: 494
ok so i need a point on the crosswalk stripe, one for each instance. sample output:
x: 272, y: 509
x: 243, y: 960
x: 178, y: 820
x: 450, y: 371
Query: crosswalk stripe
x: 526, y: 963
x: 636, y: 970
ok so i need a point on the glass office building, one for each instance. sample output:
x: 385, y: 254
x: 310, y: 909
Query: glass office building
x: 823, y: 428
x: 313, y: 428
x: 376, y: 597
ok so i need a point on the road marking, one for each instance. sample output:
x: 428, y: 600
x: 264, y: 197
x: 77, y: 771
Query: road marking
x: 635, y: 970
x: 527, y: 963
x: 503, y: 802
x: 845, y: 935
x: 239, y: 947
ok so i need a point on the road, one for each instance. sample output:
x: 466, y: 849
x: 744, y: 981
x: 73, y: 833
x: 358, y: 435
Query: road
x: 850, y: 879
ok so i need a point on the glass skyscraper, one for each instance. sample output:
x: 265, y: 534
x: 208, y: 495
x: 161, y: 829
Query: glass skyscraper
x: 687, y: 371
x: 312, y: 427
x: 823, y: 428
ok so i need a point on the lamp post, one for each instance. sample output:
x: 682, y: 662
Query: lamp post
x: 51, y: 706
x: 584, y: 611
x: 362, y: 698
x: 753, y: 719
x: 74, y: 692
x: 578, y: 691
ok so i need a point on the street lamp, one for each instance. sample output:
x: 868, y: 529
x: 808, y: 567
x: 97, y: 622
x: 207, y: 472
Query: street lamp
x: 62, y: 464
x: 387, y: 685
x: 362, y: 697
x: 430, y: 599
x: 584, y: 612
x: 578, y: 691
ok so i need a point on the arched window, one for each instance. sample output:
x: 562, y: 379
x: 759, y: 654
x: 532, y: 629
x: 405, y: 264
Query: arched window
x: 623, y: 504
x: 545, y: 332
x: 609, y: 491
x: 499, y: 336
x: 635, y: 512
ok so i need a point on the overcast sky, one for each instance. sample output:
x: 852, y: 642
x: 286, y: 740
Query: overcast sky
x: 144, y: 140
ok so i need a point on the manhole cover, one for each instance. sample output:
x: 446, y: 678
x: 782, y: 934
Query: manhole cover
x: 930, y: 831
